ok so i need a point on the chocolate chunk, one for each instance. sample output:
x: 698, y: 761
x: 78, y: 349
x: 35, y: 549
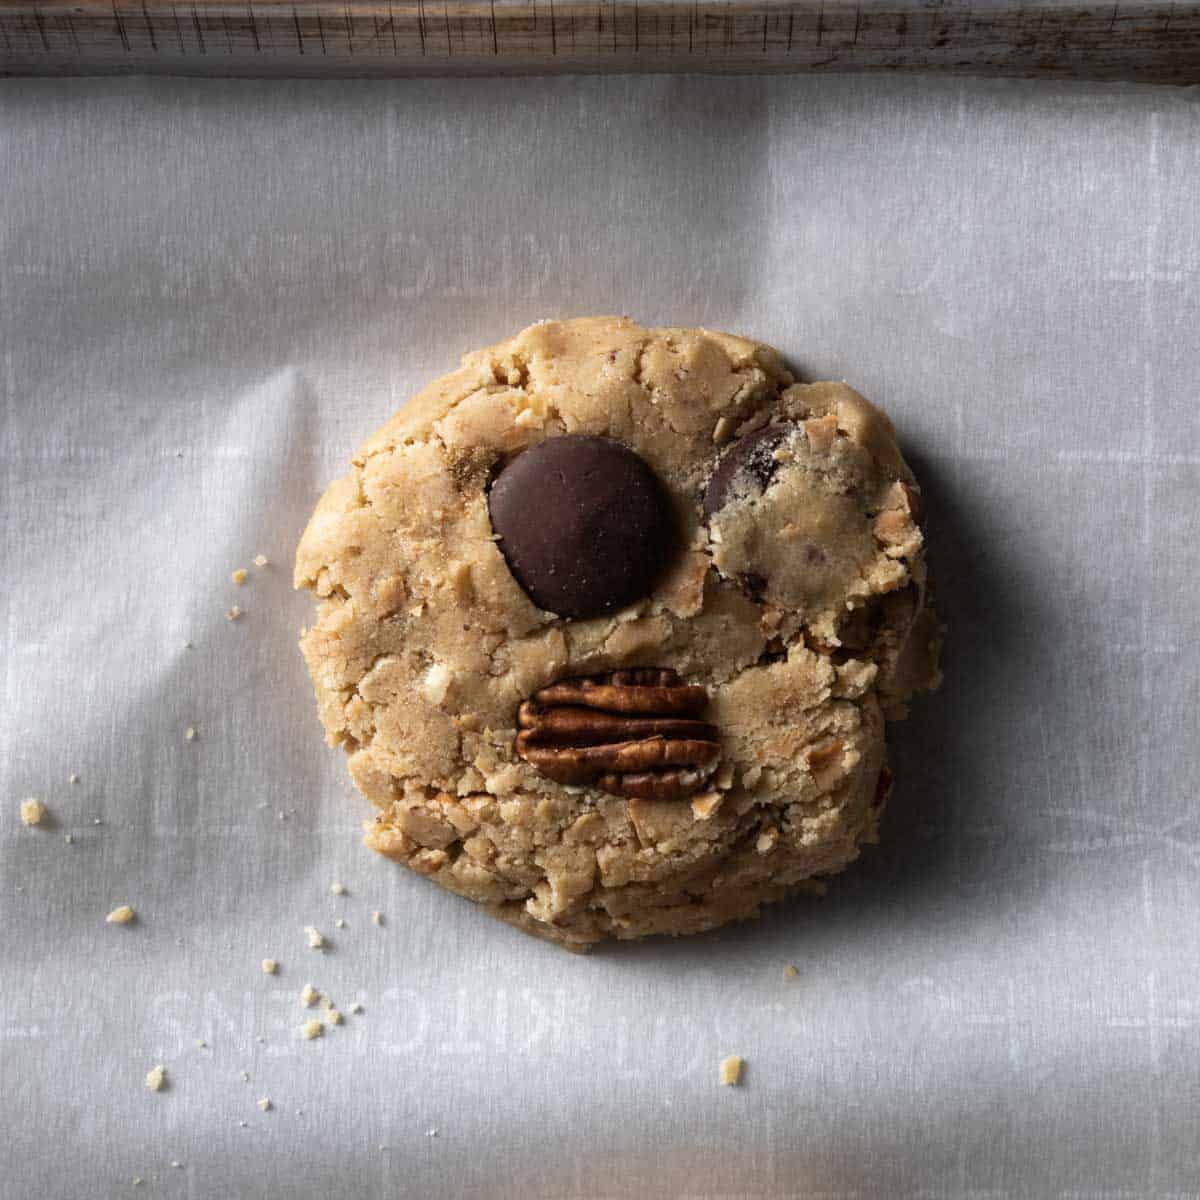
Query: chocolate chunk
x: 584, y: 524
x: 749, y: 461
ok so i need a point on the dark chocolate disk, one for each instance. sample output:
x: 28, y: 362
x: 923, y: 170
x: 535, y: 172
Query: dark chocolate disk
x: 748, y: 461
x: 584, y: 524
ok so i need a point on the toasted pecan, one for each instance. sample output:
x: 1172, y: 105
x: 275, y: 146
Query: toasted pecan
x: 632, y: 733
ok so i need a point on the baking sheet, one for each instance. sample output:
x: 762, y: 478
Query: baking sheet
x: 1146, y: 41
x: 210, y: 292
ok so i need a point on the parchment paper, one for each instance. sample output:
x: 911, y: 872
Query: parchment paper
x: 211, y: 292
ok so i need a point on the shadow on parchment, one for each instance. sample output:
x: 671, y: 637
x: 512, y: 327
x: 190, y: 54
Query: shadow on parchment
x: 241, y: 686
x: 941, y: 837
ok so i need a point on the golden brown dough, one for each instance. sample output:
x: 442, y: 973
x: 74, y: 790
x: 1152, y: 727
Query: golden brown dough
x: 800, y: 606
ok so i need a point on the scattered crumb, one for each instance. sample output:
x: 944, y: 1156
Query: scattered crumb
x: 33, y: 812
x: 431, y: 1133
x: 233, y: 613
x: 339, y: 923
x: 121, y: 916
x: 176, y: 1163
x: 790, y: 972
x: 188, y: 646
x: 137, y: 1181
x: 245, y: 1076
x: 767, y: 840
x: 68, y: 838
x: 335, y: 1017
x: 315, y: 940
x: 377, y: 917
x: 243, y: 1124
x: 327, y: 1002
x: 201, y: 1045
x: 261, y: 560
x: 269, y: 966
x: 239, y: 576
x: 190, y: 733
x: 731, y: 1070
x: 338, y: 889
x: 72, y: 778
x: 309, y: 996
x: 156, y: 1078
x: 356, y: 1008
x: 97, y: 821
x: 264, y: 1102
x: 312, y: 1029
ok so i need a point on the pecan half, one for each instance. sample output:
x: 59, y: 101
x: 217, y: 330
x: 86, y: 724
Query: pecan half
x: 632, y: 733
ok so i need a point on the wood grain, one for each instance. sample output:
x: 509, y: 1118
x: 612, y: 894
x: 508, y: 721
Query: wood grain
x: 1153, y: 42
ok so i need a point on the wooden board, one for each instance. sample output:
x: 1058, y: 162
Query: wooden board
x: 1154, y: 42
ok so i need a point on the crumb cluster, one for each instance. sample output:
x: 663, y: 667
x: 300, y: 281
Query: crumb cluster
x: 33, y: 812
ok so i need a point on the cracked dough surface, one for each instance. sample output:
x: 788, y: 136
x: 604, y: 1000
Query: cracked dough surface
x: 801, y: 607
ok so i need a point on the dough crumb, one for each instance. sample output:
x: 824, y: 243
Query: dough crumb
x: 269, y: 966
x: 68, y: 838
x: 790, y: 972
x: 156, y: 1078
x: 121, y: 915
x: 190, y: 733
x: 177, y: 1164
x: 239, y: 576
x: 731, y: 1070
x: 264, y: 1102
x: 309, y: 995
x: 356, y: 1008
x: 201, y: 1044
x: 338, y: 889
x: 233, y: 614
x: 312, y: 1029
x: 33, y: 812
x: 431, y: 1133
x: 316, y: 940
x: 245, y: 1076
x: 73, y: 778
x: 137, y: 1181
x: 261, y: 560
x: 377, y: 917
x: 335, y: 1017
x: 339, y: 923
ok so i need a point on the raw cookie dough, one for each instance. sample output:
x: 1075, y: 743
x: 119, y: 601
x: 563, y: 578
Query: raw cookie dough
x: 795, y: 595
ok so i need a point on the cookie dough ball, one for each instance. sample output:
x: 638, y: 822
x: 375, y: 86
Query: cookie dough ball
x: 610, y: 621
